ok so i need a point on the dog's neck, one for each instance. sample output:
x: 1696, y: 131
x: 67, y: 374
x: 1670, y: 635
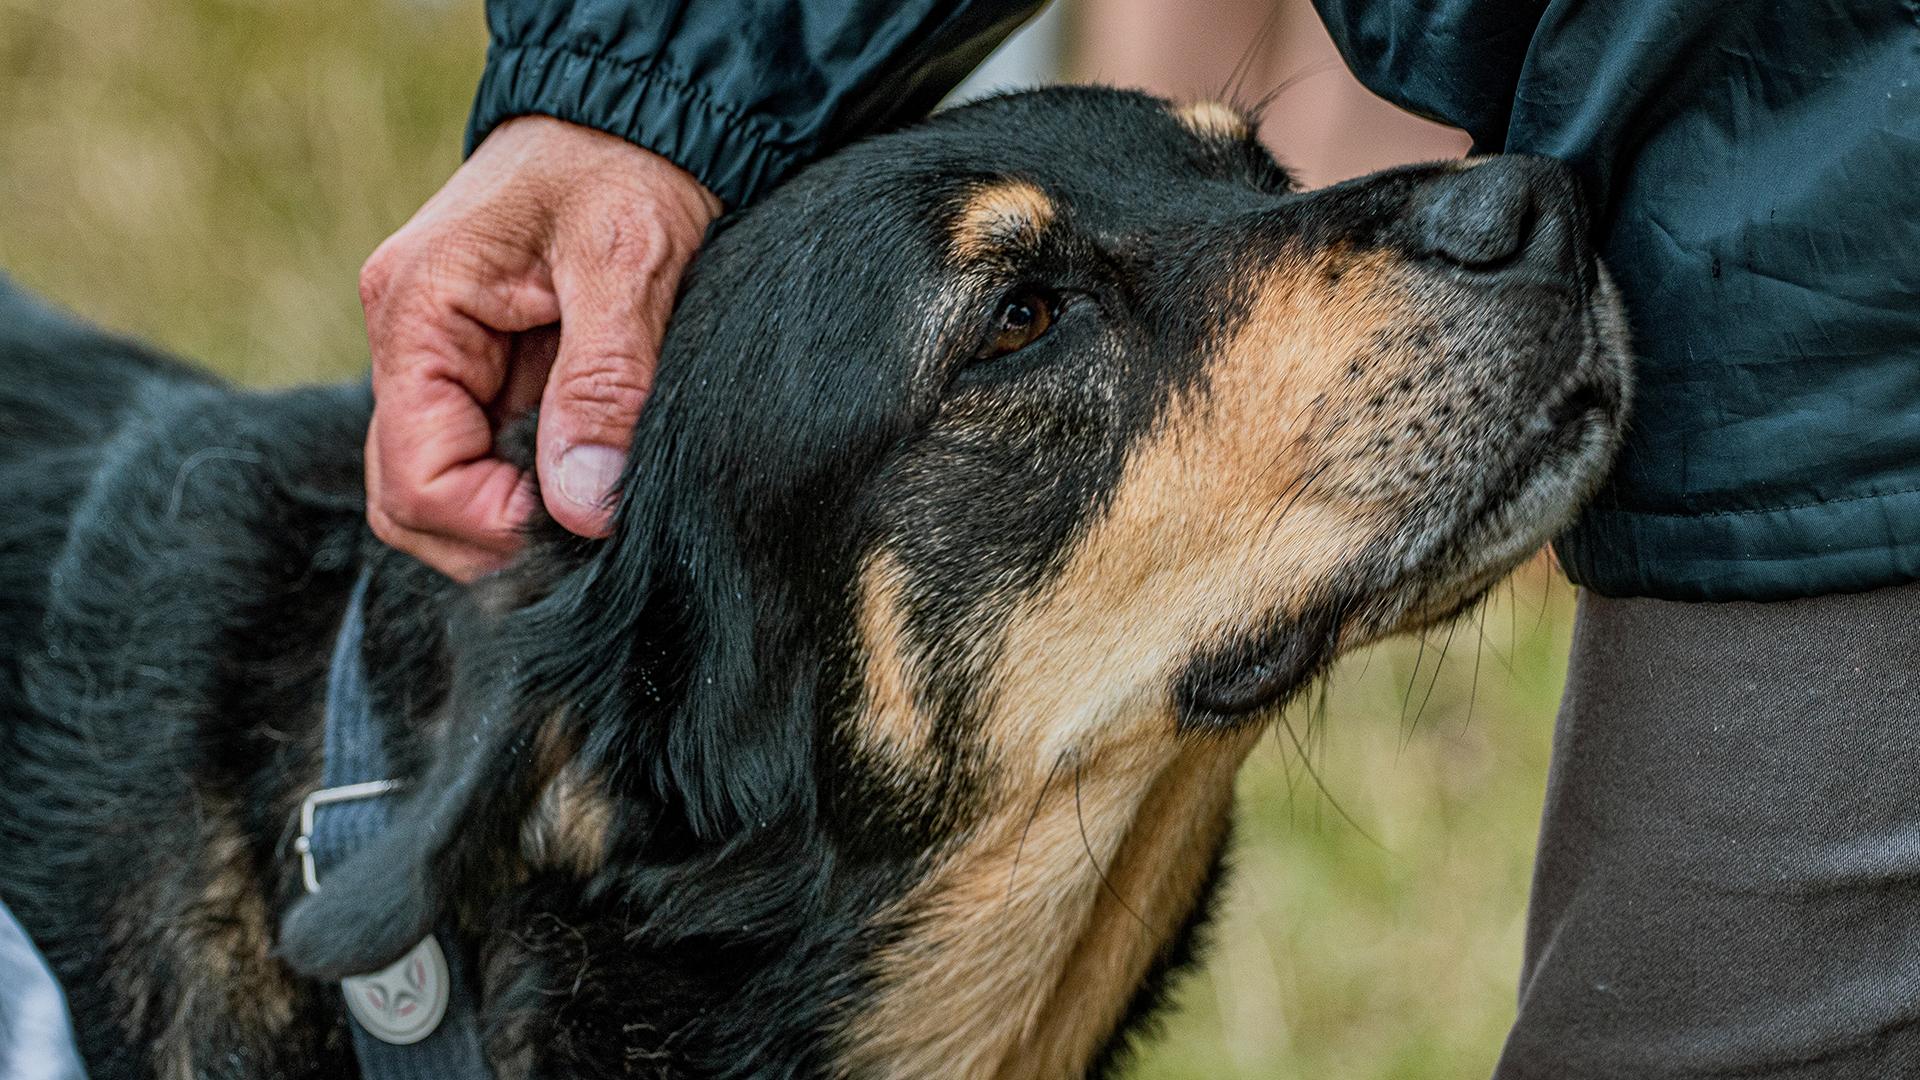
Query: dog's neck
x: 1034, y: 939
x: 1017, y: 946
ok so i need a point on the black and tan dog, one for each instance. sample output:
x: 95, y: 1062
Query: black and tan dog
x: 1004, y: 474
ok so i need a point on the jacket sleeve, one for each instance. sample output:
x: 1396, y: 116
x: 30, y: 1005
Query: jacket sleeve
x: 1455, y: 61
x: 737, y: 92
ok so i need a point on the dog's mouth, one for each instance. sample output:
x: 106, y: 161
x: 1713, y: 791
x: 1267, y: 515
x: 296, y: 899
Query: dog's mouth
x: 1555, y: 460
x: 1554, y: 463
x: 1225, y: 688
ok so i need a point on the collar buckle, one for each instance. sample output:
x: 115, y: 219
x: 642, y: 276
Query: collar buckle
x: 309, y: 871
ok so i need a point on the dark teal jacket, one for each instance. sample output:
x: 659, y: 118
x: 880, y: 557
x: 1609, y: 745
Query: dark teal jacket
x: 1756, y: 166
x: 738, y: 92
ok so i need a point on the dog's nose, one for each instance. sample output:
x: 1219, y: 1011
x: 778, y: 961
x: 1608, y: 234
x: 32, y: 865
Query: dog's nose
x: 1504, y: 213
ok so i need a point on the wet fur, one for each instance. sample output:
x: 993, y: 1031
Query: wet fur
x: 653, y: 781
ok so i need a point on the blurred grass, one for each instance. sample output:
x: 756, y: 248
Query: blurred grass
x: 210, y: 174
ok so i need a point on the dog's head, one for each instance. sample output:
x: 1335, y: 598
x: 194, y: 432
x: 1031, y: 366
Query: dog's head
x: 1002, y: 476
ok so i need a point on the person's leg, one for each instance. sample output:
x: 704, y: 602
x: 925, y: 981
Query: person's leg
x: 1325, y: 125
x: 1322, y: 123
x: 1182, y: 49
x: 1728, y: 880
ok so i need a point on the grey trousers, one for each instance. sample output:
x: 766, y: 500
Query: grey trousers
x: 1728, y: 880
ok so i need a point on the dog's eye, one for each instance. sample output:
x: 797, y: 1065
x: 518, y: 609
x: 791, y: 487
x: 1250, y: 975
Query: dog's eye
x: 1025, y: 315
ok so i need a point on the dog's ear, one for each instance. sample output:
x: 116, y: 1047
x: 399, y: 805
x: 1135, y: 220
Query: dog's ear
x: 652, y: 659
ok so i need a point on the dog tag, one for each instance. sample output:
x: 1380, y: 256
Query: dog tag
x: 403, y: 1002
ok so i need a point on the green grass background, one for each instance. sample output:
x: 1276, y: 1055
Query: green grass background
x: 210, y: 174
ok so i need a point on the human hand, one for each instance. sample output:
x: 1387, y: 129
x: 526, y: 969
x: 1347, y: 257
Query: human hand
x: 548, y: 222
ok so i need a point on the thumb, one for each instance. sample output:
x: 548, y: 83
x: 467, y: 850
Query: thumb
x: 609, y: 346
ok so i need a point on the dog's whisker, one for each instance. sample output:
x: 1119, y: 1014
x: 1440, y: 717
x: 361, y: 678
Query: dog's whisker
x: 1473, y: 689
x: 1014, y: 871
x: 1092, y: 860
x: 1439, y: 665
x: 1504, y: 658
x: 1300, y: 748
x: 1257, y: 108
x: 1546, y: 597
x: 1413, y: 679
x: 1255, y: 50
x: 1298, y: 490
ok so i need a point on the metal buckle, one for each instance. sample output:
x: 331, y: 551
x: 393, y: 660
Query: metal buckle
x: 344, y: 793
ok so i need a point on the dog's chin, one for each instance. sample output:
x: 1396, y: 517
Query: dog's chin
x: 1562, y: 455
x: 1549, y: 474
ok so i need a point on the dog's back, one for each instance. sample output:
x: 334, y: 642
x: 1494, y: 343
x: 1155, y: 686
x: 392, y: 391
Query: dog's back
x: 64, y: 390
x: 164, y: 536
x: 91, y: 423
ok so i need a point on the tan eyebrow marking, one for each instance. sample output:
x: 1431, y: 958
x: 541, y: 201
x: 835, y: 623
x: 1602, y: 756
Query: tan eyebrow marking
x: 998, y: 214
x: 1214, y: 120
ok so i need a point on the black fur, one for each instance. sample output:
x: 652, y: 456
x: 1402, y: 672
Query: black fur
x: 178, y: 554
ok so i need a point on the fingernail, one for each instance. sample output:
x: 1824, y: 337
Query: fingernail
x: 588, y: 473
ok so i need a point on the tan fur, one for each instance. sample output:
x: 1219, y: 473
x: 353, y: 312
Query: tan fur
x: 1214, y: 120
x: 893, y: 726
x: 1160, y: 866
x: 571, y: 822
x: 208, y: 920
x: 570, y: 825
x: 998, y: 215
x: 1020, y: 961
x: 1224, y: 517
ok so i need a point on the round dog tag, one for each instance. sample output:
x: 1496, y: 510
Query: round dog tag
x: 403, y: 1002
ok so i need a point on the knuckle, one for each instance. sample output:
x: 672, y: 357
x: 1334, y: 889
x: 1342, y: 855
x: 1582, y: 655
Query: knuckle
x: 445, y: 260
x: 376, y: 277
x: 405, y: 507
x: 609, y: 378
x: 608, y: 391
x: 638, y: 241
x: 398, y: 274
x: 385, y: 529
x: 428, y: 267
x: 633, y: 237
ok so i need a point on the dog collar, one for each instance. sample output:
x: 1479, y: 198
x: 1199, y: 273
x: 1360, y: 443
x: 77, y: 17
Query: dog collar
x: 414, y: 1019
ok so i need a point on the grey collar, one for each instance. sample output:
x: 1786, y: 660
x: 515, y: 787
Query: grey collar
x: 415, y: 1019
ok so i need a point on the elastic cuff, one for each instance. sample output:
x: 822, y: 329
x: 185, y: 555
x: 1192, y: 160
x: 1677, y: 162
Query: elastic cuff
x: 646, y: 105
x: 1846, y: 544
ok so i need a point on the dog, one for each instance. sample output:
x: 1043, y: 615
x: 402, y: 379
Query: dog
x: 1004, y: 475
